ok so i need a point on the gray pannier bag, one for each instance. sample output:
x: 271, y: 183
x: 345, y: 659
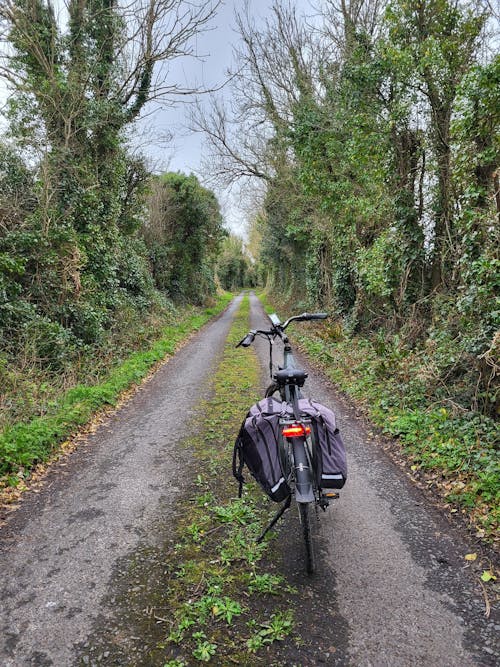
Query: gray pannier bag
x: 257, y: 446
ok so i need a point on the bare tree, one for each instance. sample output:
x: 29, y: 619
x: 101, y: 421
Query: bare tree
x: 277, y: 64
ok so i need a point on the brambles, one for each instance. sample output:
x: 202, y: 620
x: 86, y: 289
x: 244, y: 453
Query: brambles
x: 455, y: 450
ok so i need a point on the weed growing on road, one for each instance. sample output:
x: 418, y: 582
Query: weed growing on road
x: 218, y: 580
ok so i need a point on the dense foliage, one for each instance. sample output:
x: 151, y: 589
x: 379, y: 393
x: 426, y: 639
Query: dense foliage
x: 234, y: 268
x: 83, y: 280
x: 183, y: 236
x: 72, y: 196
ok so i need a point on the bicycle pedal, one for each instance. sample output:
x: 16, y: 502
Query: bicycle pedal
x: 331, y: 494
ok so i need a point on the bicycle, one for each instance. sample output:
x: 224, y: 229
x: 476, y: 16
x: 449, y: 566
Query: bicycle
x: 296, y: 441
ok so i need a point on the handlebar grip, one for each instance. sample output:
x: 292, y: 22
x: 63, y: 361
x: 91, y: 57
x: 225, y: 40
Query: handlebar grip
x: 318, y: 316
x: 248, y: 340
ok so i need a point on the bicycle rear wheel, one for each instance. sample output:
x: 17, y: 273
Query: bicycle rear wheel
x: 307, y: 518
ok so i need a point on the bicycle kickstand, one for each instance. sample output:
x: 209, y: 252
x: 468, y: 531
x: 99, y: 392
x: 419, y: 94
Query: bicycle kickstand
x: 280, y: 513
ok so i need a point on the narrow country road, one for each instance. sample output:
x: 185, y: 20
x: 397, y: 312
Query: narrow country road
x: 391, y: 590
x: 59, y: 550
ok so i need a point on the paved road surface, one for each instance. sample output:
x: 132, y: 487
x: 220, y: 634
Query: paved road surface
x: 58, y: 551
x: 391, y: 590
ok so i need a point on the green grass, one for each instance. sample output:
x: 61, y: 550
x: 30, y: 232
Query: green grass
x: 22, y: 445
x: 454, y: 451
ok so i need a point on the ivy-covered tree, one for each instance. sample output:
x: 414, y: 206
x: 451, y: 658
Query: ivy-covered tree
x: 78, y: 82
x: 183, y: 236
x: 434, y: 42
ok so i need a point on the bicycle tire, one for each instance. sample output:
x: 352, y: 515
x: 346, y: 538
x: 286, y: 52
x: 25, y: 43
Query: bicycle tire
x: 306, y: 521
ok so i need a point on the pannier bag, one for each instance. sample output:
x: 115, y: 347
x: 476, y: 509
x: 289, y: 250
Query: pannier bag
x: 257, y: 446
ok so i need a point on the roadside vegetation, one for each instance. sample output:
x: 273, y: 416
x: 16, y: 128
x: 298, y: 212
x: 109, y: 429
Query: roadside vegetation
x: 54, y: 414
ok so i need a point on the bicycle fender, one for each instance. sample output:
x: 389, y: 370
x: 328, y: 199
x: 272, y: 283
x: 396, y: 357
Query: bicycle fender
x: 305, y: 495
x: 304, y: 492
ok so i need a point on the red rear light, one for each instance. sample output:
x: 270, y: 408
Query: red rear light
x: 296, y: 430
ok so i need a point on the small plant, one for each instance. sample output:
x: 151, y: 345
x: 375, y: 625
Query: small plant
x: 238, y: 511
x: 175, y: 663
x: 266, y: 583
x: 177, y: 635
x: 204, y: 649
x: 279, y: 627
x: 227, y: 608
x: 195, y: 531
x: 255, y: 643
x: 205, y: 499
x: 241, y: 545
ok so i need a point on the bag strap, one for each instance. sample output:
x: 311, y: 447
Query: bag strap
x: 238, y: 469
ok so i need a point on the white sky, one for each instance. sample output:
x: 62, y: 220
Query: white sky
x: 184, y: 152
x: 214, y: 49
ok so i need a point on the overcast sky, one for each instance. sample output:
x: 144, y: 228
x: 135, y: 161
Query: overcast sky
x: 206, y: 71
x: 185, y: 152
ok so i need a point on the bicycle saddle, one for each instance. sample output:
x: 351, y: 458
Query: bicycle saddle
x: 291, y: 376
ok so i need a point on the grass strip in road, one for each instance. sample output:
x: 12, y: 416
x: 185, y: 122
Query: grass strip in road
x: 23, y: 445
x: 454, y: 453
x: 225, y: 606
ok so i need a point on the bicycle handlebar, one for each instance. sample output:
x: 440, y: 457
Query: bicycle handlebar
x: 308, y: 316
x: 277, y: 329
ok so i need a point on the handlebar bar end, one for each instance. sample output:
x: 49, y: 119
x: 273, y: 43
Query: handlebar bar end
x: 248, y: 340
